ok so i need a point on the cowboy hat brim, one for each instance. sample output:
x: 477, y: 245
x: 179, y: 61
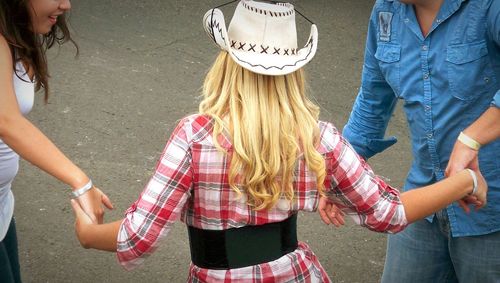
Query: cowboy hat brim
x: 259, y: 60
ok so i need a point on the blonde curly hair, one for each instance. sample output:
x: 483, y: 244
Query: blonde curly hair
x: 271, y: 122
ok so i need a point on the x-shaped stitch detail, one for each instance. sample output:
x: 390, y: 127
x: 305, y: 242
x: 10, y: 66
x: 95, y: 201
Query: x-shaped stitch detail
x: 241, y: 46
x: 276, y: 50
x: 252, y: 47
x: 264, y: 50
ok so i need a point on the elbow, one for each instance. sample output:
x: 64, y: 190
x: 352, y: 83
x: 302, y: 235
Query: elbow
x: 85, y: 245
x: 7, y: 123
x: 389, y: 220
x: 388, y: 228
x: 4, y: 122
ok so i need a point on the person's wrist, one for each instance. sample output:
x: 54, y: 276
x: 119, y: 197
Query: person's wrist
x: 83, y: 189
x: 468, y: 141
x: 474, y: 181
x: 78, y: 180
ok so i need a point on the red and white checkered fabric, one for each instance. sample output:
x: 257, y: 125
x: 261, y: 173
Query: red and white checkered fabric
x: 190, y: 183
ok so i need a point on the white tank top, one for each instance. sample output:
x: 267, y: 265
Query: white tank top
x: 24, y: 89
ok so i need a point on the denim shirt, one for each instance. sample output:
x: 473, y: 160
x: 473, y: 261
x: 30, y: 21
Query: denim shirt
x: 446, y: 80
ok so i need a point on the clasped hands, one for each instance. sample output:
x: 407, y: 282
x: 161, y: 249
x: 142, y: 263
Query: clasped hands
x: 92, y: 204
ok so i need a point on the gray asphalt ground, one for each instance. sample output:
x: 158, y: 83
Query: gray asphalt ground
x: 140, y: 69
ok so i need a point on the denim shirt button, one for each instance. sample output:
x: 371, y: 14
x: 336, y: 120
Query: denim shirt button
x: 438, y: 21
x: 424, y: 47
x: 426, y: 76
x: 429, y: 136
x: 486, y: 80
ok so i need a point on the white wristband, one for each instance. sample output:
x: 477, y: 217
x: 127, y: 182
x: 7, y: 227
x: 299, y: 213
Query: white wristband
x: 474, y: 181
x: 82, y: 190
x: 468, y: 141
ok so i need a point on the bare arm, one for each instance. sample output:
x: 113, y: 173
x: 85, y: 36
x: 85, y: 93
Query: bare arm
x: 420, y: 203
x: 32, y: 145
x: 486, y: 128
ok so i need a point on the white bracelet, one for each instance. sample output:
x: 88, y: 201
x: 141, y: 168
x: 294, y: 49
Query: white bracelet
x: 82, y: 190
x: 468, y: 141
x: 474, y: 181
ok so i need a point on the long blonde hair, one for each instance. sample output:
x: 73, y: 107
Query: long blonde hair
x: 270, y: 121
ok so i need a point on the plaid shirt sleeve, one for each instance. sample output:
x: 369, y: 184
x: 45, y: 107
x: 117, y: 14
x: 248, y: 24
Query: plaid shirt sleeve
x: 360, y: 193
x: 160, y: 204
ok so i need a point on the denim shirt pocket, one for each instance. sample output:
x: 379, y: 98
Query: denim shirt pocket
x: 469, y: 71
x: 389, y: 56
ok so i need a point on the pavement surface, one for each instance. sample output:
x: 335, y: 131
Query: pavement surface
x: 140, y: 69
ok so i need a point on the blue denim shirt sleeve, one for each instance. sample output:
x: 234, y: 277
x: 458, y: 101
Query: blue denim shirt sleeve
x: 374, y: 104
x: 496, y: 100
x: 494, y: 30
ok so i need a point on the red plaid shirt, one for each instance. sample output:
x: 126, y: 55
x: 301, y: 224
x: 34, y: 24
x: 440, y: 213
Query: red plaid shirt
x: 191, y: 163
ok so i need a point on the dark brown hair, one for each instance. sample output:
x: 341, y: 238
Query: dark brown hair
x: 27, y: 46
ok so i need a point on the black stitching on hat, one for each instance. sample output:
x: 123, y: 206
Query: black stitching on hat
x: 215, y: 24
x: 276, y: 50
x: 264, y: 50
x: 293, y: 51
x: 309, y: 52
x: 285, y: 52
x: 241, y: 46
x: 273, y: 14
x: 233, y: 43
x: 252, y: 47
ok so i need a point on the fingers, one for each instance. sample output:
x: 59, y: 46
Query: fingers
x: 106, y: 201
x: 93, y: 218
x: 336, y: 217
x: 80, y: 214
x: 322, y: 211
x: 464, y: 206
x: 77, y: 209
x: 330, y: 213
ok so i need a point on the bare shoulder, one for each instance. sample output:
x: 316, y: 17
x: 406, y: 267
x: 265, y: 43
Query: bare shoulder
x: 6, y: 69
x: 5, y: 54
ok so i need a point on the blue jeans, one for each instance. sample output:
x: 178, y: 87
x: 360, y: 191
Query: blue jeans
x: 426, y: 252
x: 9, y: 259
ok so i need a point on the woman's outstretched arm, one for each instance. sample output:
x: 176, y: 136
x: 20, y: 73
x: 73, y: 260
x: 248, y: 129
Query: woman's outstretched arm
x: 31, y: 144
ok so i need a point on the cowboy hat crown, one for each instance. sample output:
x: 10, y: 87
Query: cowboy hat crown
x: 262, y: 37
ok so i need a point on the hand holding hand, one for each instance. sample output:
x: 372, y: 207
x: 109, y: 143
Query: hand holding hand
x: 478, y: 199
x: 330, y: 213
x: 91, y: 203
x: 82, y: 223
x: 482, y: 190
x: 462, y: 157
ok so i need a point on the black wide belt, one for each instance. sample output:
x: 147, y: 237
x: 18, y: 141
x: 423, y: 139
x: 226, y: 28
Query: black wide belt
x: 245, y: 246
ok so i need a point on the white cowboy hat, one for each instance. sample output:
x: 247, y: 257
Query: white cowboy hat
x: 262, y: 37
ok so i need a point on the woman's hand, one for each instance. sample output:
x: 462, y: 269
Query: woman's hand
x: 91, y: 203
x: 83, y: 223
x: 330, y: 213
x: 482, y: 191
x: 479, y: 199
x: 461, y: 157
